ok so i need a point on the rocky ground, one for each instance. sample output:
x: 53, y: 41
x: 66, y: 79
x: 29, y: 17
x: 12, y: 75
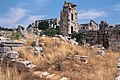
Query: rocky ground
x: 56, y: 58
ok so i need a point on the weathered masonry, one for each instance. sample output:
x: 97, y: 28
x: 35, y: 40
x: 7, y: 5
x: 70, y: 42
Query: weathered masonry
x: 91, y: 26
x: 114, y: 38
x: 53, y: 22
x: 69, y: 19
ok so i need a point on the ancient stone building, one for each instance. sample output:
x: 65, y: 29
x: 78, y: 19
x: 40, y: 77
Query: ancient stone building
x: 69, y: 19
x: 32, y: 29
x: 92, y: 37
x: 91, y: 26
x: 98, y: 36
x: 114, y: 38
x: 52, y: 23
x: 103, y: 34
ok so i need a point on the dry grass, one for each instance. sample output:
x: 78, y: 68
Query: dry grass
x: 98, y: 67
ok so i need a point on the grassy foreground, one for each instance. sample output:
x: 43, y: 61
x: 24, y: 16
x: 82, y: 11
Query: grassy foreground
x: 98, y: 67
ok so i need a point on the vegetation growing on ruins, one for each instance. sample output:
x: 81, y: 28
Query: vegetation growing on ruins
x: 56, y: 59
x: 80, y: 37
x: 16, y: 36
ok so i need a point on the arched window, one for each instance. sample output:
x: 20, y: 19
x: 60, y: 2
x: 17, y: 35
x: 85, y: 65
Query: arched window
x: 71, y: 29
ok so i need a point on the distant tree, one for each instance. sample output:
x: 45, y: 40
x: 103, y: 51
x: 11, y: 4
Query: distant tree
x: 43, y: 25
x: 51, y: 32
x: 80, y: 37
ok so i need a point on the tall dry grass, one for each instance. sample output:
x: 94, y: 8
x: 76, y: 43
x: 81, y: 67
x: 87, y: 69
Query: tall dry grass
x: 98, y: 67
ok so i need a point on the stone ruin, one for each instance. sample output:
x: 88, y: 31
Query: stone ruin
x: 91, y: 26
x: 69, y: 19
x: 107, y: 36
x: 95, y: 34
x: 20, y: 29
x: 53, y: 22
x: 33, y: 29
x: 114, y: 39
x: 36, y: 47
x: 68, y: 39
x: 12, y: 58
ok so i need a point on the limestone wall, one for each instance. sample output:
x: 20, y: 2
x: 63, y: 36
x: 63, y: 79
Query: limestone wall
x: 114, y: 39
x: 69, y: 18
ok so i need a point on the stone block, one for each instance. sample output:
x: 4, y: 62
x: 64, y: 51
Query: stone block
x: 118, y: 65
x: 35, y: 43
x: 24, y: 65
x: 64, y: 78
x: 12, y: 55
x: 41, y: 74
x: 83, y: 59
x: 4, y: 49
x: 11, y: 44
x: 38, y: 48
x: 118, y: 78
x: 50, y: 76
x: 101, y: 52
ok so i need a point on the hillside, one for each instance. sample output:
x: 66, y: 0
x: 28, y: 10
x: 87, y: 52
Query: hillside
x: 58, y: 57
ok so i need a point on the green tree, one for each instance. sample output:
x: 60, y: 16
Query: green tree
x: 43, y: 25
x: 80, y: 37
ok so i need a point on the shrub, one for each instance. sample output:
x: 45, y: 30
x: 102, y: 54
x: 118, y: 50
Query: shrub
x: 80, y: 37
x: 16, y: 36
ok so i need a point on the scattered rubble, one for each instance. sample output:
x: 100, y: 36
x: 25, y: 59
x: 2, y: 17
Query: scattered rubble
x: 101, y: 52
x: 36, y: 47
x: 47, y: 76
x: 25, y: 65
x: 83, y: 59
x: 12, y: 55
x: 67, y: 39
x: 64, y: 78
x: 35, y: 43
x: 63, y: 38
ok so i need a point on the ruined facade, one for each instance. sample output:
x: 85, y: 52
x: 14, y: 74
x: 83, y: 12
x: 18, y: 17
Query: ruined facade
x: 32, y: 29
x: 103, y: 34
x: 99, y: 36
x: 108, y: 36
x: 114, y: 38
x: 52, y: 23
x: 69, y: 18
x: 91, y: 26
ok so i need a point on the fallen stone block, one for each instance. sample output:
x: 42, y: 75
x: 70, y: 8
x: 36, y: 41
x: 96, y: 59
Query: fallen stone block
x: 12, y: 55
x: 40, y: 74
x: 60, y: 36
x: 2, y: 39
x: 42, y: 44
x: 118, y: 65
x: 50, y: 76
x: 18, y: 59
x: 119, y: 59
x: 35, y: 43
x: 101, y: 52
x: 38, y: 48
x: 4, y: 49
x: 21, y: 65
x: 64, y: 78
x: 84, y: 59
x: 118, y: 78
x: 31, y: 67
x: 12, y: 44
x: 25, y: 63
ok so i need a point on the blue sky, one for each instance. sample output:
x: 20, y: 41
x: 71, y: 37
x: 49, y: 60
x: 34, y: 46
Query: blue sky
x: 24, y: 12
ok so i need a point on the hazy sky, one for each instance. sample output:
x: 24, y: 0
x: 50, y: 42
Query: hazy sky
x: 24, y: 12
